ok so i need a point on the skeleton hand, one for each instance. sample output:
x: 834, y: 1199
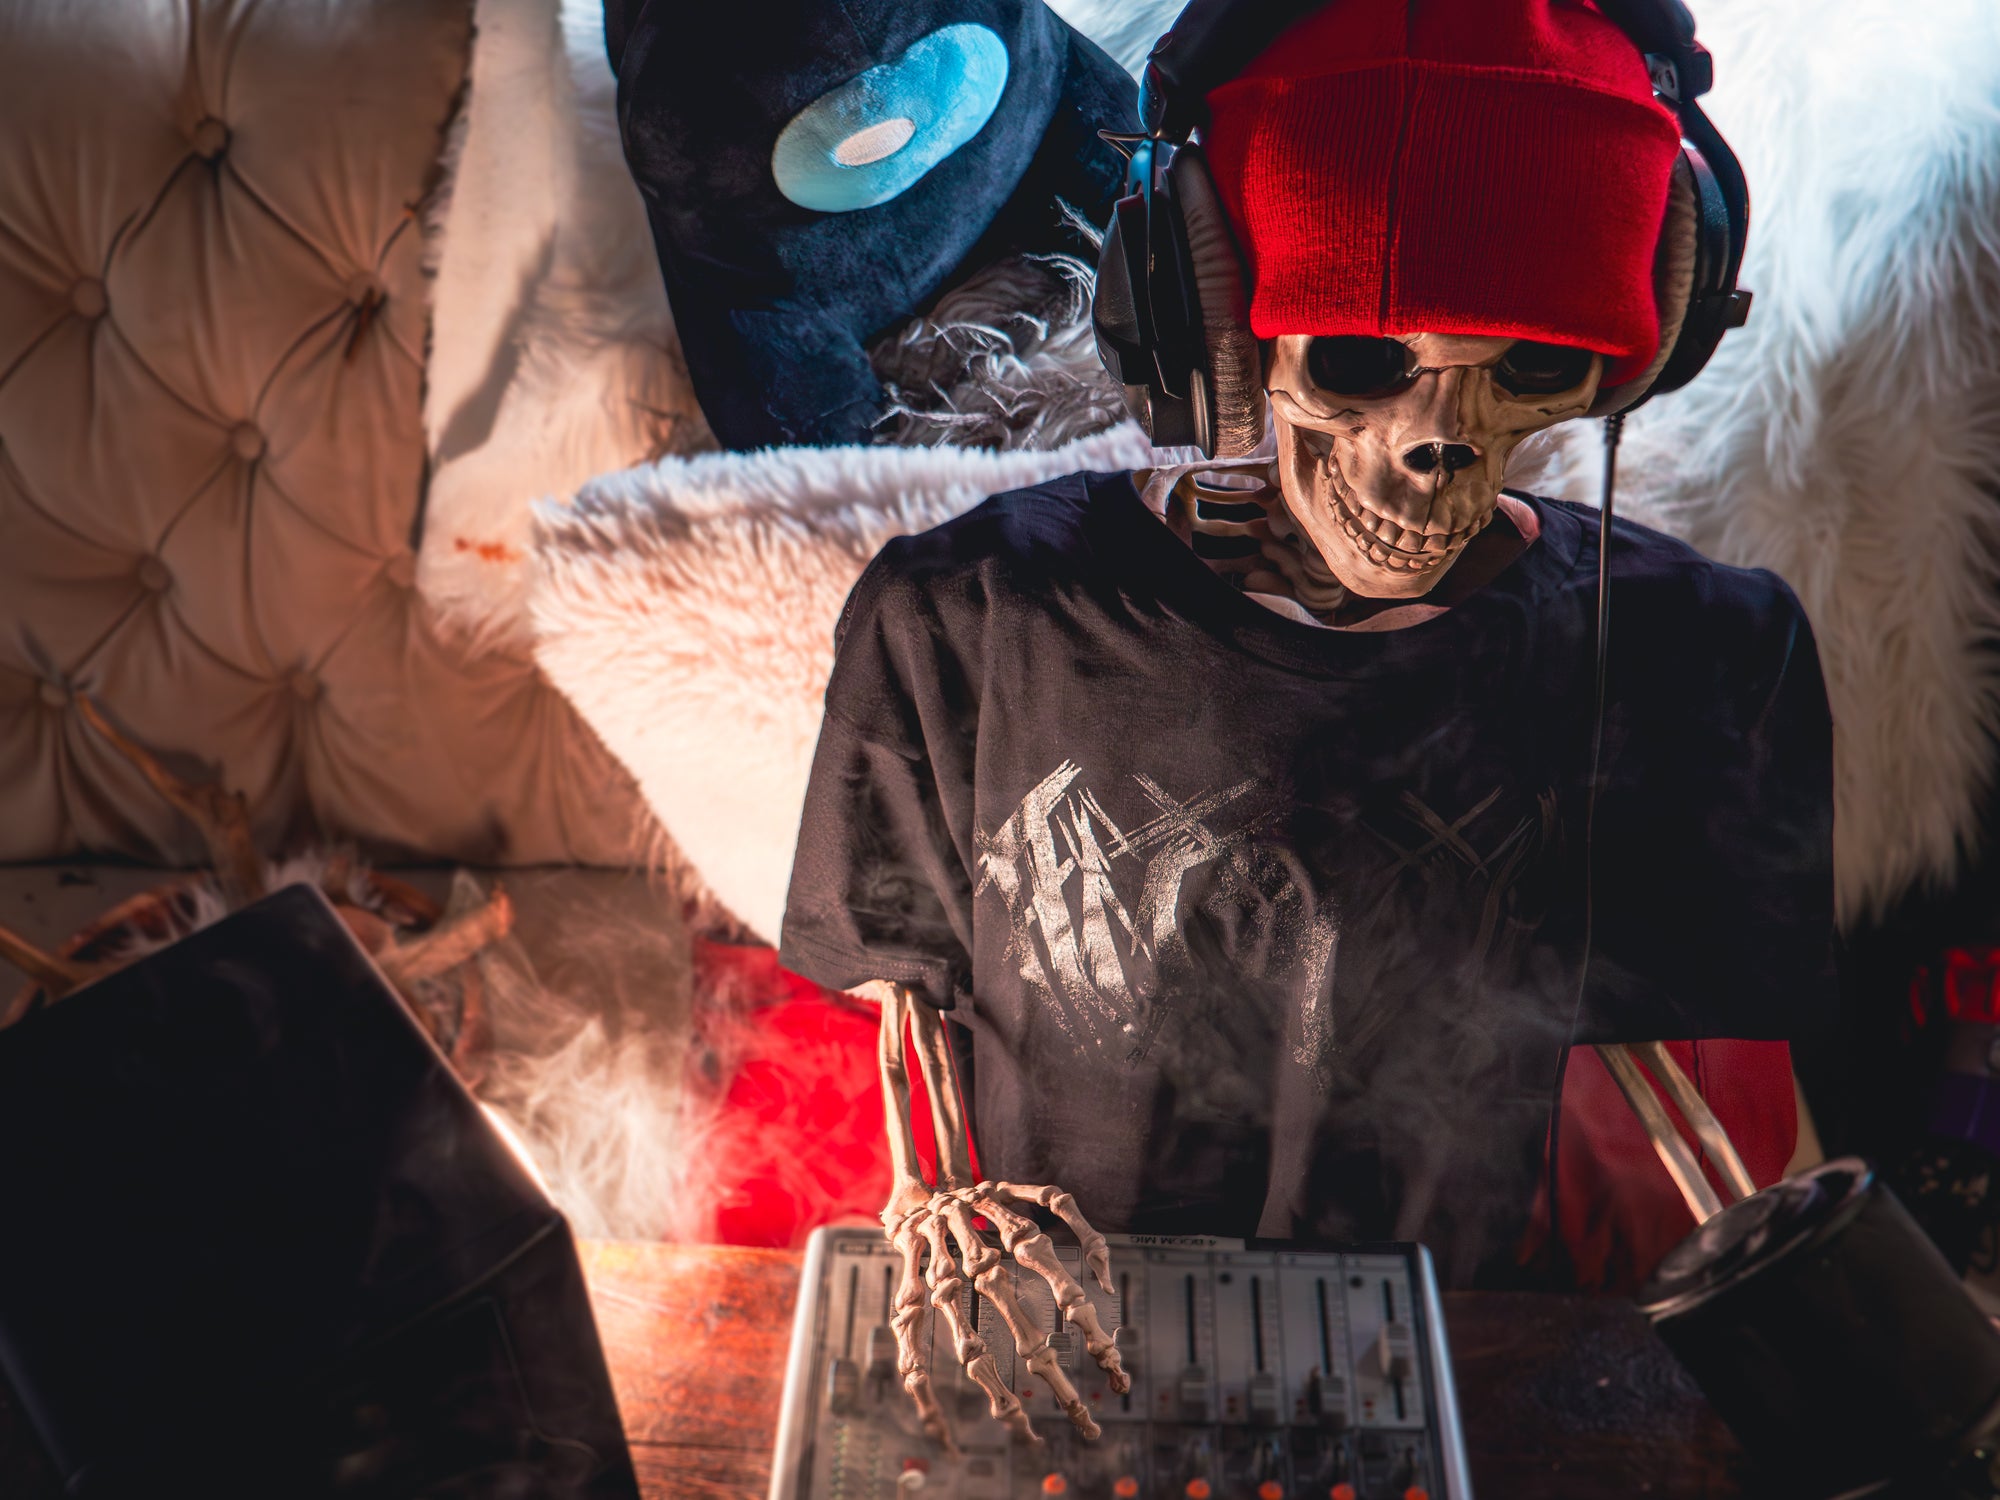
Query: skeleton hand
x: 921, y: 1216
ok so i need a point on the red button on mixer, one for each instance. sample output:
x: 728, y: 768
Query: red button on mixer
x: 1341, y: 1492
x: 1125, y: 1487
x: 1055, y: 1484
x: 1197, y: 1489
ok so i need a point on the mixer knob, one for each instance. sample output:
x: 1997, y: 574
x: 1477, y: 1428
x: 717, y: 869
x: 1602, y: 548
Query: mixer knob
x: 881, y: 1352
x: 843, y: 1386
x: 1396, y: 1350
x: 1054, y: 1484
x: 1125, y: 1487
x: 1194, y: 1394
x: 1326, y: 1400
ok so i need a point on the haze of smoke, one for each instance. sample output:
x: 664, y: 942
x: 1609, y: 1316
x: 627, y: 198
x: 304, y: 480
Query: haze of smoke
x: 587, y: 1070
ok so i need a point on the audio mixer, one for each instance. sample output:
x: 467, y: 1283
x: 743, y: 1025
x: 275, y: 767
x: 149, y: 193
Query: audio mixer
x: 1260, y: 1371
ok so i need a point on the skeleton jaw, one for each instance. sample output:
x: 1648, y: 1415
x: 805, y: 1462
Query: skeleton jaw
x: 1374, y: 554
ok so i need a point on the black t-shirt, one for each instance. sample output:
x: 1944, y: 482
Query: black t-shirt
x: 1263, y: 928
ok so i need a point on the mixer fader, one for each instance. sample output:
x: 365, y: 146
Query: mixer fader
x: 1260, y: 1371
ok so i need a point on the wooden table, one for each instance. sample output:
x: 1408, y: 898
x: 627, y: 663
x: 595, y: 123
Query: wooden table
x: 1565, y: 1398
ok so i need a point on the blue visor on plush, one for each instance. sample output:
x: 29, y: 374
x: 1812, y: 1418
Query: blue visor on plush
x: 817, y: 172
x: 873, y: 137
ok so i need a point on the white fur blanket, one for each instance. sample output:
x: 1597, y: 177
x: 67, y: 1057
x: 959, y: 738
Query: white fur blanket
x: 1849, y: 438
x: 553, y: 356
x: 687, y: 609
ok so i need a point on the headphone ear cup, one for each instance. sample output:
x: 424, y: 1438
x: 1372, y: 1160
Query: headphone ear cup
x: 1673, y: 287
x: 1120, y: 316
x: 1233, y: 365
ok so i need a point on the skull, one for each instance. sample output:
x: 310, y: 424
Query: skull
x: 1391, y: 450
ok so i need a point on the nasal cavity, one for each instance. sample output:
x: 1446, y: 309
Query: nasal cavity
x: 1427, y: 458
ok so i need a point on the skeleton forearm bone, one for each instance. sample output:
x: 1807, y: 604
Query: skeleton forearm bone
x: 921, y: 1215
x: 895, y: 1002
x: 1681, y: 1163
x: 1694, y: 1109
x: 902, y: 1216
x: 948, y: 1127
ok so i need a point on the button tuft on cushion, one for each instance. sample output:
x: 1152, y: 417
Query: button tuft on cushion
x: 55, y: 695
x: 153, y: 575
x: 86, y: 298
x: 364, y: 288
x: 247, y: 441
x: 210, y: 138
x: 402, y: 570
x: 304, y: 686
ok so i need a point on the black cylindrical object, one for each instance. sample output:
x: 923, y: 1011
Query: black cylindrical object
x: 1835, y: 1341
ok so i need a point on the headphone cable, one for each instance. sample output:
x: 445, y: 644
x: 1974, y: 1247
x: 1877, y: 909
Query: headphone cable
x: 1614, y: 428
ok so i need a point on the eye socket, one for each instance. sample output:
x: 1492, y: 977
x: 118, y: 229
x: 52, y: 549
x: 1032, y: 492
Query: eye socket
x: 1529, y: 368
x: 1350, y: 365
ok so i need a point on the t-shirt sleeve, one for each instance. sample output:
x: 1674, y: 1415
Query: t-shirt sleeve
x: 879, y: 889
x: 1714, y: 841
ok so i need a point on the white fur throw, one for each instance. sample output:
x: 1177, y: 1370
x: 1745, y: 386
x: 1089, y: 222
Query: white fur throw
x: 687, y: 609
x: 553, y: 355
x: 1849, y: 438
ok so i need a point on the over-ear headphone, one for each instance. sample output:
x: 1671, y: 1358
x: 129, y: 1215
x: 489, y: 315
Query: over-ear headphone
x: 1171, y: 310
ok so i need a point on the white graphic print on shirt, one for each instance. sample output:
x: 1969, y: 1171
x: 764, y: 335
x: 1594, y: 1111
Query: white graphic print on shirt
x: 1106, y: 966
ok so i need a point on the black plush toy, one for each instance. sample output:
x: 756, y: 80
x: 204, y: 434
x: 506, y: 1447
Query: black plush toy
x: 815, y: 173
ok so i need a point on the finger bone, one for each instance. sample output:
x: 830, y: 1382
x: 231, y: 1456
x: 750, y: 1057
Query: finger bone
x: 911, y: 1315
x: 991, y: 1277
x: 1036, y: 1253
x: 947, y: 1293
x: 981, y: 1259
x: 1033, y: 1346
x: 1096, y: 1253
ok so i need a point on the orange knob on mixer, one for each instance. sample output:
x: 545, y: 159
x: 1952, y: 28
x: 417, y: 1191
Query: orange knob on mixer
x: 1341, y: 1492
x: 1125, y: 1487
x: 1054, y: 1484
x: 1270, y: 1489
x: 1197, y: 1489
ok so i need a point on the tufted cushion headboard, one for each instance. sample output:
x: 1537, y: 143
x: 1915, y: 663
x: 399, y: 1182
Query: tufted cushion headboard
x: 213, y: 322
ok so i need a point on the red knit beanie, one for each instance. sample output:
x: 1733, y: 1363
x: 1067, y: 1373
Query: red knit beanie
x: 1450, y: 166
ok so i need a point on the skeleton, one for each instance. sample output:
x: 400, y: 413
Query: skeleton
x: 1370, y: 501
